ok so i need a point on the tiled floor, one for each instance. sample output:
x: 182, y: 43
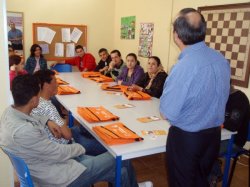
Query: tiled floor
x: 153, y: 168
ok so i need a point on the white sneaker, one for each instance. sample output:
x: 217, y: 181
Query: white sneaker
x: 145, y: 184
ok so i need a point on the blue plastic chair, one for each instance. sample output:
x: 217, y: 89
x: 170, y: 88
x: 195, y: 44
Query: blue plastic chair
x: 62, y: 68
x: 234, y: 155
x: 21, y: 169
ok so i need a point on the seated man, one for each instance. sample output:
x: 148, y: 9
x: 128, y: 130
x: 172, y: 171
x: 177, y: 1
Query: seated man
x: 84, y: 61
x: 50, y: 163
x: 103, y: 64
x: 237, y: 118
x: 116, y: 65
x: 46, y: 108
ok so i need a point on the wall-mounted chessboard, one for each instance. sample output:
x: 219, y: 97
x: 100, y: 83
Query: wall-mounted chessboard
x: 228, y: 31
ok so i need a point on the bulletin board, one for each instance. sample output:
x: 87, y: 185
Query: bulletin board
x: 49, y: 37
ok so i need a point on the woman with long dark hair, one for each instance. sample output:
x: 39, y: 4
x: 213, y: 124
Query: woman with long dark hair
x: 36, y: 61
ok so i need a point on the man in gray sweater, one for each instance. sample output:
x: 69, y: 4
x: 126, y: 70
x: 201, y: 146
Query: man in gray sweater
x: 50, y: 163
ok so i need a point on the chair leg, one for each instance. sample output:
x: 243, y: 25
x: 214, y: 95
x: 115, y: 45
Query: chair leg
x: 232, y: 171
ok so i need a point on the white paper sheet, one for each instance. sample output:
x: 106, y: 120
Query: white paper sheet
x: 41, y: 33
x: 70, y: 50
x: 45, y: 48
x: 59, y: 49
x: 75, y: 35
x: 65, y: 34
x: 49, y: 35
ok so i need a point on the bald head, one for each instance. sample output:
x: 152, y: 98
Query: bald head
x: 194, y: 19
x: 190, y: 26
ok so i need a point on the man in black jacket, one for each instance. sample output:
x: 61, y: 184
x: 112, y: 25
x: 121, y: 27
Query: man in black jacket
x: 237, y: 118
x: 103, y: 64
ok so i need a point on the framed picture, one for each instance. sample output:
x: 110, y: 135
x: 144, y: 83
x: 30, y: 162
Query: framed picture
x: 228, y: 28
x: 128, y: 27
x: 16, y: 31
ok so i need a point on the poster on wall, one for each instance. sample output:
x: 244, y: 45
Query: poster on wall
x: 128, y: 27
x: 15, y: 31
x: 146, y: 39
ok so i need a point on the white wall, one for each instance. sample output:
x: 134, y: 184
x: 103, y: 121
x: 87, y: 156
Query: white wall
x: 6, y: 172
x: 146, y: 11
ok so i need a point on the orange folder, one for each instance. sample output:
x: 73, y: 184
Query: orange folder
x: 102, y: 78
x: 96, y: 114
x: 67, y: 90
x: 91, y: 74
x: 116, y: 133
x: 135, y: 95
x: 60, y: 81
x: 110, y: 87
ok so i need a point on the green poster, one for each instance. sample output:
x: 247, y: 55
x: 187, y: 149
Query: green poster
x: 128, y: 27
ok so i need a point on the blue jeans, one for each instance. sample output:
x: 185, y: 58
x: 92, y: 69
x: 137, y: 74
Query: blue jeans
x: 83, y: 137
x: 102, y: 168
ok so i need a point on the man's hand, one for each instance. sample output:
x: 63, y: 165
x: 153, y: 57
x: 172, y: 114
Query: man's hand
x: 54, y: 129
x: 111, y: 65
x: 104, y: 69
x: 55, y: 63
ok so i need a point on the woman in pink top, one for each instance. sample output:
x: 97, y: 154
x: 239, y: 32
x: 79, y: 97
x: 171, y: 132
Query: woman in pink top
x: 16, y: 66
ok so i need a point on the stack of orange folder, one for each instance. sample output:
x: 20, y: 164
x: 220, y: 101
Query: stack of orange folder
x: 67, y: 90
x: 116, y: 133
x: 97, y: 77
x: 135, y: 95
x: 111, y: 87
x: 60, y: 81
x: 96, y: 114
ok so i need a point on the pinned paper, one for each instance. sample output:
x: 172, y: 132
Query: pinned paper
x: 75, y: 35
x: 122, y: 106
x: 59, y: 49
x: 70, y: 50
x: 45, y: 48
x: 65, y: 34
x: 45, y: 34
x: 148, y: 119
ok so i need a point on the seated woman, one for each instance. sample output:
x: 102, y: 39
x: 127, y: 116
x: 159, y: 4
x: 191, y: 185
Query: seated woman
x: 36, y: 61
x: 16, y: 67
x: 152, y: 82
x: 132, y: 72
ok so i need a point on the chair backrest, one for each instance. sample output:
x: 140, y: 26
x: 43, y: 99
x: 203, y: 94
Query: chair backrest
x: 21, y: 169
x: 62, y: 68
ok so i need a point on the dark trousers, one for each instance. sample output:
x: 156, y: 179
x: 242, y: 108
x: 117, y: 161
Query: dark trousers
x: 190, y: 156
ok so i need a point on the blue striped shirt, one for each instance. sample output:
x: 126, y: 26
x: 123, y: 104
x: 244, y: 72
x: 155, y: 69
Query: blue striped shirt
x: 196, y: 91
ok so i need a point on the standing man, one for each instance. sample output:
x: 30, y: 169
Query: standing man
x: 15, y: 36
x: 84, y: 61
x: 193, y: 101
